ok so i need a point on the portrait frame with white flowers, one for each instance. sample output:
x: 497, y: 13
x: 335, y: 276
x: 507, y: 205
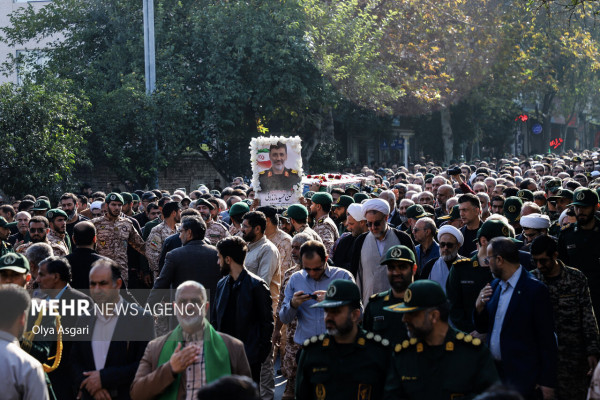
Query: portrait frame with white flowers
x: 276, y: 169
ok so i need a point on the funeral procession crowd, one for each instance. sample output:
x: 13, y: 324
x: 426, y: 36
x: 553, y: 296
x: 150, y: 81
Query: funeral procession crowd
x: 481, y: 280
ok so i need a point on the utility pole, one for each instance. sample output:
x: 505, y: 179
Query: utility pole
x: 150, y: 67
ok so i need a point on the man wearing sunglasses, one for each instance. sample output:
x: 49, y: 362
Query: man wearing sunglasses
x: 369, y: 247
x: 38, y: 229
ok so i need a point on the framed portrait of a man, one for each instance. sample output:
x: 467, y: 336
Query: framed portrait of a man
x: 276, y: 169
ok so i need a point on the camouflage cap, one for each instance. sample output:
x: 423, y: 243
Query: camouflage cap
x: 420, y: 295
x: 56, y: 212
x: 41, y: 205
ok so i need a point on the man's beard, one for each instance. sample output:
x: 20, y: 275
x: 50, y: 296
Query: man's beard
x: 450, y: 257
x: 195, y: 323
x: 340, y: 330
x: 71, y: 214
x: 400, y: 285
x: 38, y: 239
x: 584, y: 219
x: 225, y: 269
x: 420, y: 333
x: 205, y: 217
x: 249, y: 238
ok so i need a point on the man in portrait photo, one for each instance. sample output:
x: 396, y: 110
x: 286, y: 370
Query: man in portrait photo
x: 278, y: 177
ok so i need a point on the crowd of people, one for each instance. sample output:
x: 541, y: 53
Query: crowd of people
x: 481, y: 280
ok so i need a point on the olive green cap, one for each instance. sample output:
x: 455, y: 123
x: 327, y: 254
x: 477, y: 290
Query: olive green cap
x: 416, y: 211
x: 135, y: 197
x: 3, y: 222
x: 495, y: 228
x: 322, y: 198
x: 15, y: 262
x: 340, y: 293
x: 454, y: 214
x: 41, y: 205
x: 585, y: 197
x: 512, y: 208
x: 127, y: 197
x: 343, y: 201
x: 114, y: 197
x: 297, y: 212
x: 399, y: 253
x: 359, y: 197
x: 204, y: 202
x: 239, y: 208
x: 525, y: 195
x: 420, y: 295
x: 56, y: 212
x: 561, y: 194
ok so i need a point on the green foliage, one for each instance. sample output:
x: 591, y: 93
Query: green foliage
x: 224, y: 71
x: 43, y: 137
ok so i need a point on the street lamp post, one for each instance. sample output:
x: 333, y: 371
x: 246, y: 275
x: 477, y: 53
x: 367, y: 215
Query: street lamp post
x: 150, y: 67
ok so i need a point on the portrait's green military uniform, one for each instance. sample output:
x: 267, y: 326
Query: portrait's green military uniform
x: 387, y: 324
x: 5, y: 247
x: 460, y: 367
x: 269, y: 180
x: 330, y: 370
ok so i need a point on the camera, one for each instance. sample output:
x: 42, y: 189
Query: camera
x: 453, y: 171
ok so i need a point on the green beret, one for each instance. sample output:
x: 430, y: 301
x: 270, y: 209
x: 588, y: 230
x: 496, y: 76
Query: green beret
x: 308, y: 195
x: 127, y: 197
x: 135, y: 197
x: 204, y: 202
x: 239, y: 208
x: 41, y: 205
x: 322, y: 198
x: 359, y: 197
x: 343, y: 201
x: 114, y: 197
x: 297, y: 212
x: 56, y: 212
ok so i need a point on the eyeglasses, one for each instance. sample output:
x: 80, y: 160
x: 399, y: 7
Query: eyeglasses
x: 487, y: 259
x: 374, y: 223
x: 447, y: 244
x: 40, y: 230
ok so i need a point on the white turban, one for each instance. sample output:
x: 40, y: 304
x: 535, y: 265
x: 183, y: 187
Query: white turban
x: 356, y: 211
x: 535, y: 221
x: 96, y: 205
x: 376, y: 205
x: 453, y: 231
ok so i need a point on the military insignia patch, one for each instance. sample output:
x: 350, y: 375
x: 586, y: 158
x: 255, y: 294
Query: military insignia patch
x: 512, y: 209
x: 9, y: 259
x: 320, y: 391
x: 396, y: 253
x: 407, y: 296
x: 50, y: 215
x: 580, y: 196
x: 364, y: 391
x: 331, y: 291
x: 113, y: 197
x: 505, y: 230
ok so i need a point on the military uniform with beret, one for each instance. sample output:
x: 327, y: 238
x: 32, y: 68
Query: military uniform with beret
x: 55, y: 237
x: 380, y: 321
x: 324, y: 226
x: 579, y: 248
x: 299, y: 213
x: 342, y: 201
x: 5, y: 247
x: 462, y: 367
x: 238, y: 209
x: 329, y: 370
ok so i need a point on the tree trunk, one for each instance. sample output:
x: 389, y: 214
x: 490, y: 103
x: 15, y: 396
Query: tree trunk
x: 447, y: 138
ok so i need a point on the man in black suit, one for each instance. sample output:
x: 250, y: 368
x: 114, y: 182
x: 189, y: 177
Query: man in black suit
x: 53, y: 278
x: 194, y: 261
x: 83, y: 255
x: 103, y: 365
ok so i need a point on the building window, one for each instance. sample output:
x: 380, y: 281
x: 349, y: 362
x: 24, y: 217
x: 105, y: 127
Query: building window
x: 28, y: 61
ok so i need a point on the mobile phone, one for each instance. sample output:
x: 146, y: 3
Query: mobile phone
x: 313, y: 296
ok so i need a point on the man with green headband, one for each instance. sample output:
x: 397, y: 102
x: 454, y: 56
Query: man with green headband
x: 178, y: 364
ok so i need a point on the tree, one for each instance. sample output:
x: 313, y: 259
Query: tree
x: 224, y: 69
x: 43, y: 137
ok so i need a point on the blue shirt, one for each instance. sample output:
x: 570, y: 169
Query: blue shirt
x: 506, y: 291
x: 311, y: 321
x: 423, y: 257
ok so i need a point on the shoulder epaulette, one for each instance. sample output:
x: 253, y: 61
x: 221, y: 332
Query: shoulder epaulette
x: 461, y: 260
x: 294, y: 171
x: 376, y: 338
x: 566, y: 226
x: 405, y: 345
x: 314, y: 340
x: 376, y: 295
x: 262, y: 172
x: 468, y: 339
